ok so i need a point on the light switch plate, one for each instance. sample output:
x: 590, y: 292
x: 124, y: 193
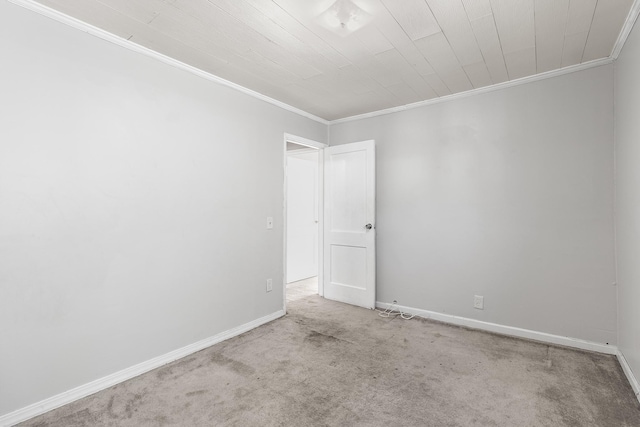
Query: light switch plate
x: 478, y: 302
x: 269, y: 222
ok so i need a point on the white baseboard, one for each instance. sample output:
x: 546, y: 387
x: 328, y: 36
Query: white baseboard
x: 629, y: 373
x: 506, y: 330
x: 72, y: 395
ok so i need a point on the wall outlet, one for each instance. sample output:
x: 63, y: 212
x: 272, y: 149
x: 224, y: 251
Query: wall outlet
x: 269, y: 285
x: 478, y: 302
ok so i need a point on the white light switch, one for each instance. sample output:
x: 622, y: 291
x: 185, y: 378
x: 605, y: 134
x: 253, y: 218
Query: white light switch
x: 269, y: 222
x: 478, y: 302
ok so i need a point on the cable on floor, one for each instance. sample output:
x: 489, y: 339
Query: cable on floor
x: 390, y: 312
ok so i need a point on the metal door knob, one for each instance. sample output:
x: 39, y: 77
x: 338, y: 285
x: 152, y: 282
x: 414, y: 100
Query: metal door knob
x: 368, y: 226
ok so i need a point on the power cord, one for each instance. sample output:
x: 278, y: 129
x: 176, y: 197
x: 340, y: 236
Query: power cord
x: 390, y: 312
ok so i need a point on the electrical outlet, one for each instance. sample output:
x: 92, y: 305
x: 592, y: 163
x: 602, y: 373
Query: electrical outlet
x: 478, y: 302
x: 269, y: 285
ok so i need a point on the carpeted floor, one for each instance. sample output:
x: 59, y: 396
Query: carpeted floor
x: 331, y: 364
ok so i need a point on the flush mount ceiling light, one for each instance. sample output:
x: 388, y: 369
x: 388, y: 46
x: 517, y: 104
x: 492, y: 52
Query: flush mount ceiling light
x: 344, y: 17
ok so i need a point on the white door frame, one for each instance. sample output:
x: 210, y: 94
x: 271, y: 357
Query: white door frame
x: 320, y: 147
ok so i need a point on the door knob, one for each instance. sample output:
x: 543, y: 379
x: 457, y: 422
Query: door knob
x: 368, y: 226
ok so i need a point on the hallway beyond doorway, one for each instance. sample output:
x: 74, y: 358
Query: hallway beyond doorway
x: 302, y: 288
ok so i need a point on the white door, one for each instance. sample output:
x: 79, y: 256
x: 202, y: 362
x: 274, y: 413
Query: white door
x: 302, y: 215
x: 349, y: 232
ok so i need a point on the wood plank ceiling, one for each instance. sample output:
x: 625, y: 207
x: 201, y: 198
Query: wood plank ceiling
x: 412, y: 50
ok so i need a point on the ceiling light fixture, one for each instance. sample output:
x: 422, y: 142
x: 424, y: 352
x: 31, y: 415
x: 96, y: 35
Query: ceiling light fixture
x: 344, y: 17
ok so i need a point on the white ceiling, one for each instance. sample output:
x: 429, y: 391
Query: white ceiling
x: 412, y: 50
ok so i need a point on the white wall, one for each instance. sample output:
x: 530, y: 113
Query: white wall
x: 627, y: 130
x: 133, y: 201
x: 302, y: 214
x: 508, y: 195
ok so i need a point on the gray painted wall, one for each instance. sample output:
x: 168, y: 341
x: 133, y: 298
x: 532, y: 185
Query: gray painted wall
x: 508, y: 195
x: 627, y: 128
x: 133, y: 201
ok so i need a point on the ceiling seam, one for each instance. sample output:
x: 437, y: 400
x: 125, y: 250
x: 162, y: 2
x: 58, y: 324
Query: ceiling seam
x: 122, y: 42
x: 564, y: 33
x: 107, y: 36
x: 482, y: 90
x: 495, y: 24
x: 535, y: 37
x: 475, y: 37
x: 451, y: 47
x: 589, y: 32
x: 415, y: 47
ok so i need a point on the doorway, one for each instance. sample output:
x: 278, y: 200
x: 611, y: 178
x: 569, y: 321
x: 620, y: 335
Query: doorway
x: 303, y: 218
x: 336, y: 184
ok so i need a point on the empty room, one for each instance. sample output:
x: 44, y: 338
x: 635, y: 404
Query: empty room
x: 319, y: 213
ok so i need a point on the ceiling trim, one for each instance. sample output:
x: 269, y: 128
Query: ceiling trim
x: 105, y: 35
x: 626, y: 29
x: 95, y: 31
x: 479, y: 91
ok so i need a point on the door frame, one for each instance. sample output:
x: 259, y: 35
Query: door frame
x: 319, y: 146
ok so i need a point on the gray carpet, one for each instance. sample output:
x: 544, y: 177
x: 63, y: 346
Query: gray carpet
x: 330, y: 364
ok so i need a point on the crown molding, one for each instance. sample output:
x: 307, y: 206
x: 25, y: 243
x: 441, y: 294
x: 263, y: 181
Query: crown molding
x: 632, y: 17
x: 95, y: 31
x: 629, y: 23
x: 127, y: 44
x: 479, y: 91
